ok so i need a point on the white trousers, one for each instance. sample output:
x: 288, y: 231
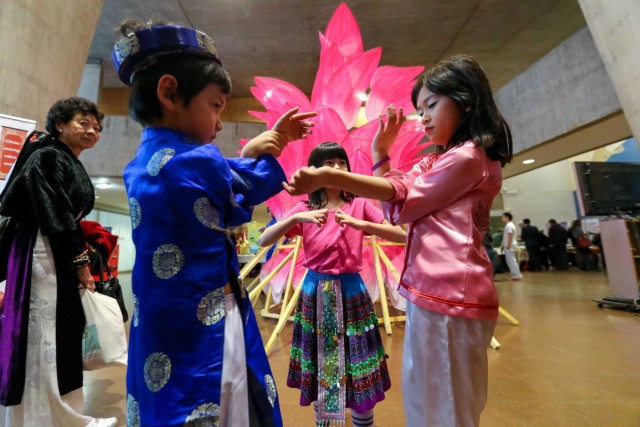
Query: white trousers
x: 234, y: 405
x: 512, y: 262
x: 42, y: 404
x: 444, y: 369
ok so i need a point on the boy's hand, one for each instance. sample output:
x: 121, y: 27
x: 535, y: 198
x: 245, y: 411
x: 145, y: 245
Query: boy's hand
x: 318, y: 217
x: 294, y: 126
x: 387, y: 132
x: 288, y: 128
x: 307, y: 180
x: 345, y: 219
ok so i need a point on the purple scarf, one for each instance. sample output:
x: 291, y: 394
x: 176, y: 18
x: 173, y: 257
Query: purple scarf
x: 14, y: 319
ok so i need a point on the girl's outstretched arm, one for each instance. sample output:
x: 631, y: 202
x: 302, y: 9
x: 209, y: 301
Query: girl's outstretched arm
x: 277, y: 230
x: 383, y: 229
x: 308, y: 179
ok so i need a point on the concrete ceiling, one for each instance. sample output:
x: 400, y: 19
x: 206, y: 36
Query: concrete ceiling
x: 279, y: 38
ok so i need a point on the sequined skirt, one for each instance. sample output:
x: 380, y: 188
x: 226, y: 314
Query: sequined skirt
x: 337, y: 348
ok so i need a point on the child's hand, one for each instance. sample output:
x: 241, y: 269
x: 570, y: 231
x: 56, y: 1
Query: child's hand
x: 387, y: 132
x: 288, y: 128
x: 306, y: 180
x: 294, y: 126
x: 318, y: 217
x: 345, y: 219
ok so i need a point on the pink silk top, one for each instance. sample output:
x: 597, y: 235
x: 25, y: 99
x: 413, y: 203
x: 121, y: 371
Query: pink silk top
x: 332, y: 249
x: 446, y: 200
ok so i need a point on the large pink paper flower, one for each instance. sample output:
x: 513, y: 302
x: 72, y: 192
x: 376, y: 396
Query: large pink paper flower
x: 346, y: 74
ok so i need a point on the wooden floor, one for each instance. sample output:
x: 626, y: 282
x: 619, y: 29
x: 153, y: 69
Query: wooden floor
x: 568, y: 363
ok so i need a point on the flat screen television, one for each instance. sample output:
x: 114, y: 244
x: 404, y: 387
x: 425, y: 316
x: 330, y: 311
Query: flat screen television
x: 607, y: 188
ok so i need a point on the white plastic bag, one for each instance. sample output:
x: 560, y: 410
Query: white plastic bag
x: 104, y: 340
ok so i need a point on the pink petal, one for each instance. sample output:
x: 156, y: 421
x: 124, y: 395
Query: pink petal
x: 342, y: 90
x: 274, y: 93
x: 391, y: 85
x: 331, y: 59
x: 344, y: 32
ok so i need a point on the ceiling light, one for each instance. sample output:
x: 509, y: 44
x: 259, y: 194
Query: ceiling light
x: 103, y: 185
x: 528, y: 161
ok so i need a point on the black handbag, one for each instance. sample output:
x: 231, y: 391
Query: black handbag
x: 111, y: 286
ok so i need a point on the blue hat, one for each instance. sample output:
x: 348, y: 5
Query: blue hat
x: 144, y: 48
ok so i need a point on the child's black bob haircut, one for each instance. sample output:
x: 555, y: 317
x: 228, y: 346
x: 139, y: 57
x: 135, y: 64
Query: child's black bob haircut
x: 326, y: 151
x: 192, y: 73
x: 462, y: 79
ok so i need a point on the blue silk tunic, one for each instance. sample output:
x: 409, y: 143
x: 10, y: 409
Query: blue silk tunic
x: 184, y: 197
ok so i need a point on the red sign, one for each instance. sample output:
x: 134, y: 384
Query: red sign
x: 12, y: 140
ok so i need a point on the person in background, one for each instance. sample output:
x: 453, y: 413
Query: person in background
x: 529, y: 236
x: 543, y: 250
x: 509, y: 246
x: 42, y: 320
x: 558, y: 245
x: 101, y: 243
x: 487, y: 241
x: 328, y: 368
x: 584, y: 256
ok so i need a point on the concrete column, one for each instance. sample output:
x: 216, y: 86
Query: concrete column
x: 615, y: 30
x: 91, y: 81
x: 43, y: 52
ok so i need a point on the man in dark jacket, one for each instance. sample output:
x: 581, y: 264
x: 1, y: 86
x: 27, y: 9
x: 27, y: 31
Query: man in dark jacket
x: 529, y: 235
x: 558, y: 245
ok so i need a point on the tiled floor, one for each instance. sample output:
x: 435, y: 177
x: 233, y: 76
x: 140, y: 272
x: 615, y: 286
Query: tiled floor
x: 569, y: 363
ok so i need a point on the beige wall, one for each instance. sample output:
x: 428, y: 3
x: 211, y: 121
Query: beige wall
x: 43, y: 51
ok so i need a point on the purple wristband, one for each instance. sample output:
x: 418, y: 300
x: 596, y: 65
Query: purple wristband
x: 382, y: 161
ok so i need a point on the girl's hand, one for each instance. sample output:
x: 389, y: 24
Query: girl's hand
x: 345, y: 219
x: 85, y: 278
x: 318, y: 217
x: 306, y: 180
x: 294, y: 126
x: 387, y: 132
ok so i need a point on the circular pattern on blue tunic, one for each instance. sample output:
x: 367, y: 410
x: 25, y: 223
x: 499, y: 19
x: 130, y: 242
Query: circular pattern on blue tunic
x: 159, y: 159
x: 157, y: 370
x: 133, y: 412
x: 271, y: 389
x: 206, y: 213
x: 205, y: 415
x: 168, y: 260
x: 211, y: 308
x: 135, y: 212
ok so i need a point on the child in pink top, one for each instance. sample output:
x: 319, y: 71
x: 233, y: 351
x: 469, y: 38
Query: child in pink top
x: 337, y: 356
x: 452, y: 304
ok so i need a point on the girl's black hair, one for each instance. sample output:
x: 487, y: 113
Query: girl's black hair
x: 325, y: 151
x: 462, y: 79
x: 65, y: 109
x: 192, y: 73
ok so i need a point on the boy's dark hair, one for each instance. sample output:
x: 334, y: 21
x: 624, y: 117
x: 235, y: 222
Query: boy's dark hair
x: 325, y: 151
x: 64, y: 110
x: 462, y: 79
x: 526, y: 221
x: 193, y: 74
x: 508, y: 215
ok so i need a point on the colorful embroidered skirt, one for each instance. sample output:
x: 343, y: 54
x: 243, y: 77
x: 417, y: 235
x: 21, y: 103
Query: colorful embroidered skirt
x: 337, y: 356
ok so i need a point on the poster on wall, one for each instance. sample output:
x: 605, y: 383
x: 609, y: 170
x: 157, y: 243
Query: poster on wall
x: 13, y: 132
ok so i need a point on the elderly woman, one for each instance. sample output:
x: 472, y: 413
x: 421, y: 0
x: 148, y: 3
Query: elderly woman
x: 42, y: 319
